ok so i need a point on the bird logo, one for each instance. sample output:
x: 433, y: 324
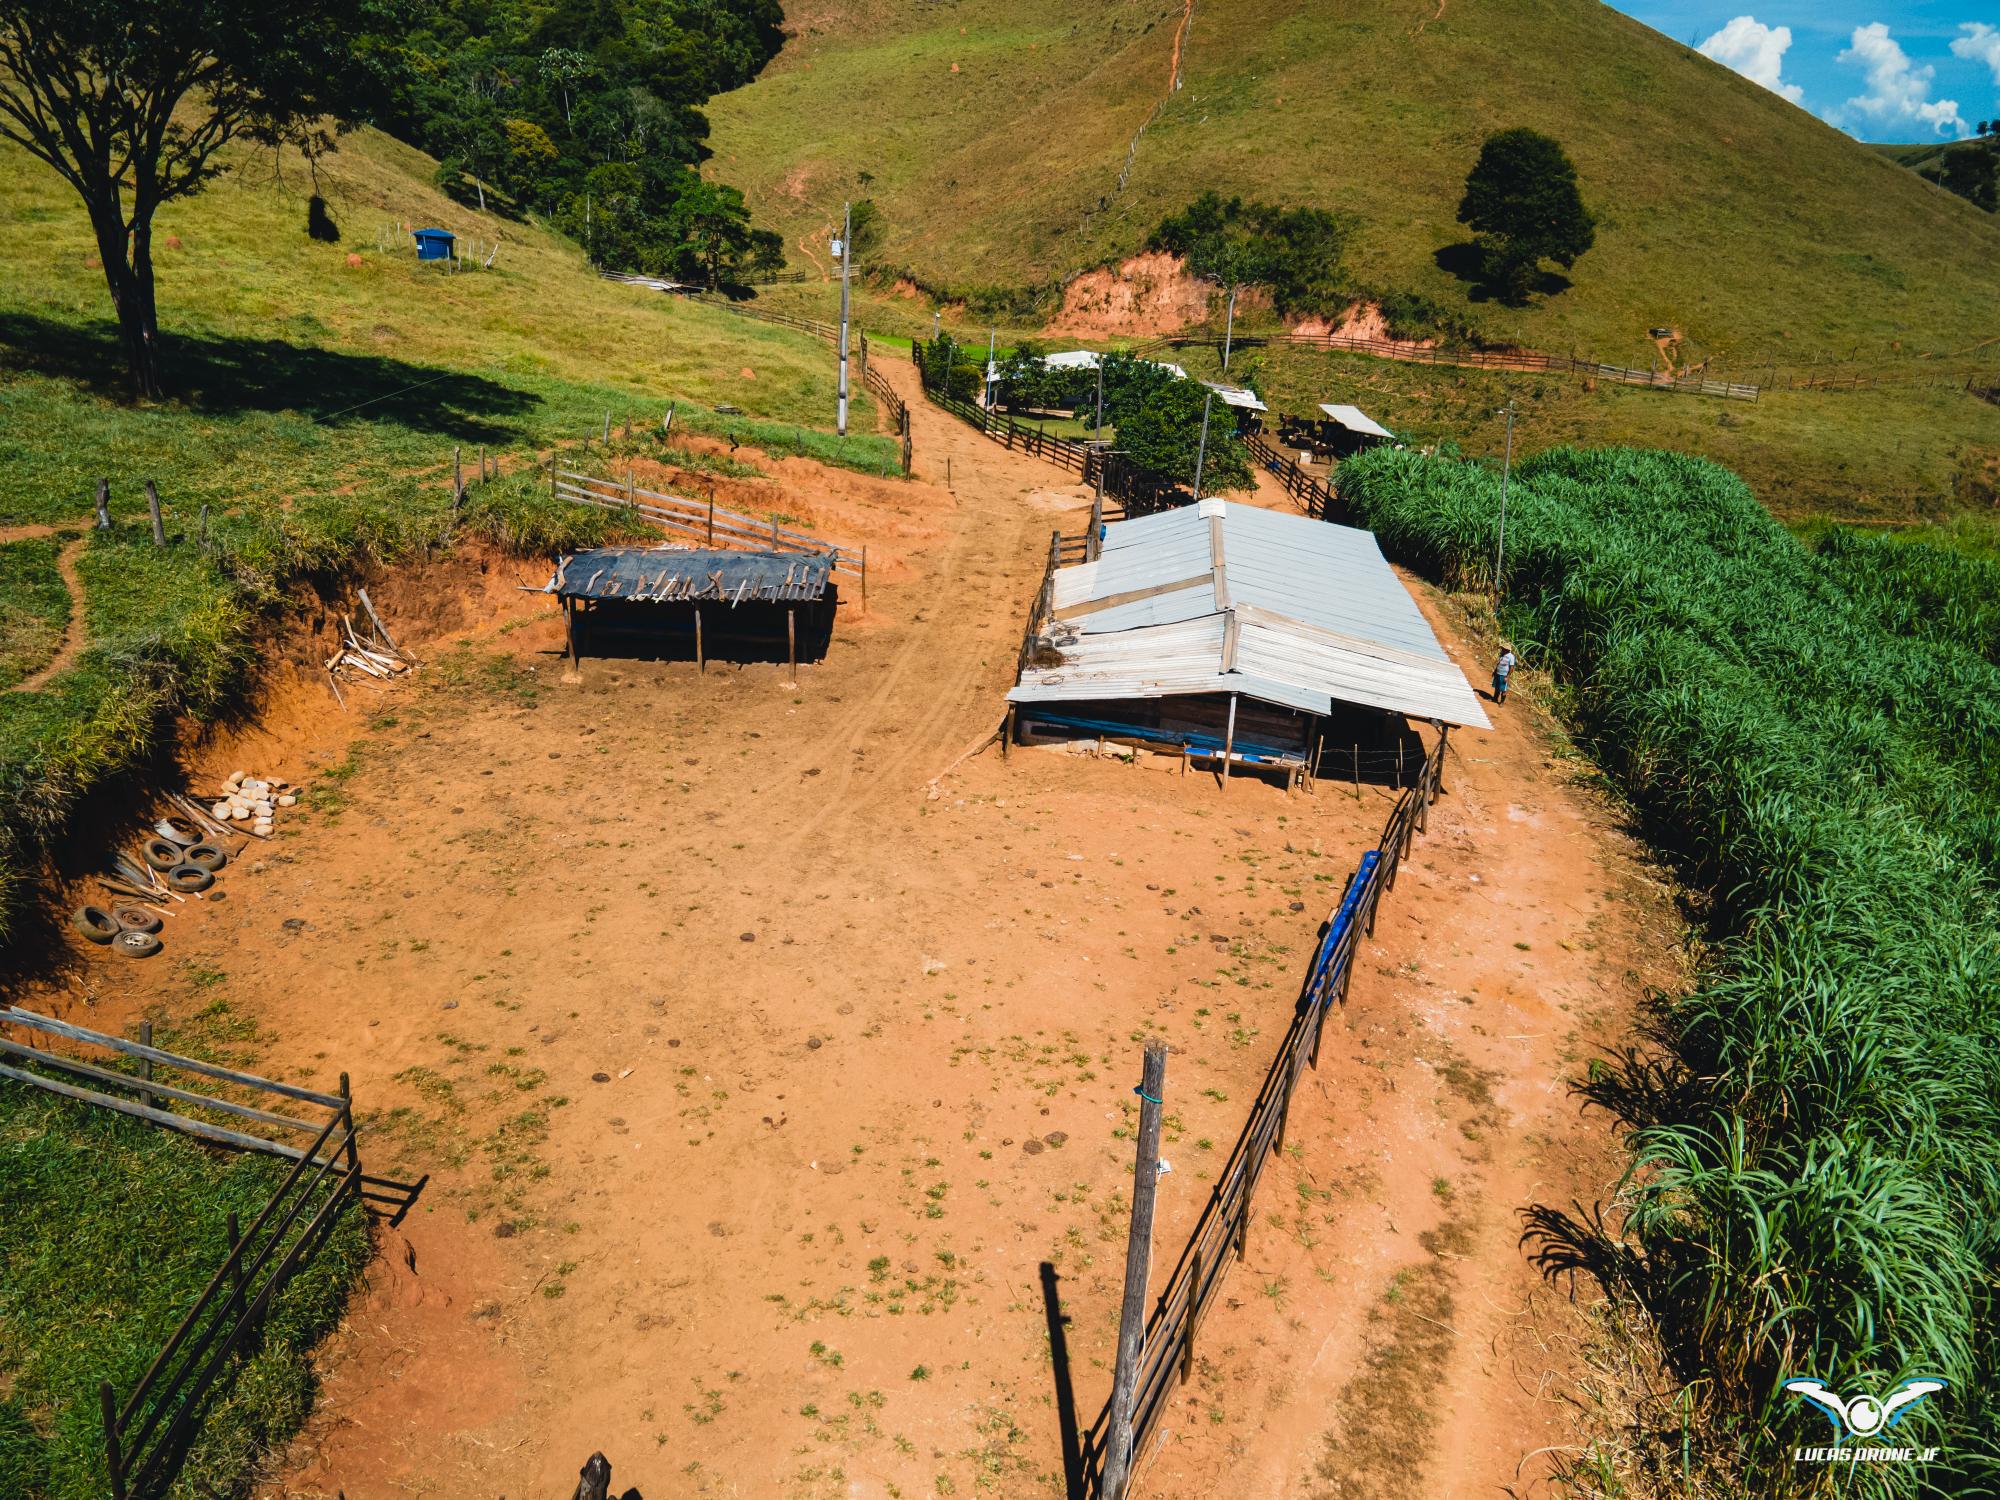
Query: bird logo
x: 1865, y: 1414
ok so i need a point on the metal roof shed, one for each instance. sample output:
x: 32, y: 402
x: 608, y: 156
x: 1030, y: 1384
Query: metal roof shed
x: 1228, y: 599
x: 674, y: 600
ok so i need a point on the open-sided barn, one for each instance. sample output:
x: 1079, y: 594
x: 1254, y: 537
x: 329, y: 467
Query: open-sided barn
x: 1243, y: 635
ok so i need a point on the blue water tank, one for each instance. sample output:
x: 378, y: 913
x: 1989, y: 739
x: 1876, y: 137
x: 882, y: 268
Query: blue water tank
x: 433, y: 244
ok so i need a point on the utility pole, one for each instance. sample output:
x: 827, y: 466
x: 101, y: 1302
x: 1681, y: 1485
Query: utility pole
x: 1229, y: 329
x: 988, y: 392
x: 1100, y: 398
x: 846, y: 260
x: 1201, y: 453
x: 1152, y: 1092
x: 1506, y: 469
x: 935, y: 315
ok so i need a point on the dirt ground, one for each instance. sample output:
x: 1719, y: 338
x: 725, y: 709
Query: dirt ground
x: 763, y: 1047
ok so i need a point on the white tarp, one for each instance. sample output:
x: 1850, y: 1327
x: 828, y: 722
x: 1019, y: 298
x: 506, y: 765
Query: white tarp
x: 1355, y: 420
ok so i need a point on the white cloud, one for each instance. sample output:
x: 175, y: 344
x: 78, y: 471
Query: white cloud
x: 1898, y: 91
x: 1981, y: 43
x: 1747, y: 46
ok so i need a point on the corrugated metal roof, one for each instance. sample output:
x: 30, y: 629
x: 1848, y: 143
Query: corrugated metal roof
x: 1237, y: 395
x: 681, y: 574
x: 1355, y: 420
x: 1217, y: 597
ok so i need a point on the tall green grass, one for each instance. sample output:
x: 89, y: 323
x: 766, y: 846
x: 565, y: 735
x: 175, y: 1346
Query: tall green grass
x: 1815, y: 736
x: 109, y: 1230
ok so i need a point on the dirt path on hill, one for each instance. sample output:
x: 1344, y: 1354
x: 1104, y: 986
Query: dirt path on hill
x: 75, y: 633
x: 766, y: 1078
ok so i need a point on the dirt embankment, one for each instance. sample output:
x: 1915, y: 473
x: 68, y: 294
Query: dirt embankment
x: 1145, y: 296
x: 1363, y: 320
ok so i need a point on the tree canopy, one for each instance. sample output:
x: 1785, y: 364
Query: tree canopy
x: 589, y: 111
x: 1294, y: 252
x: 1523, y: 204
x: 1163, y: 437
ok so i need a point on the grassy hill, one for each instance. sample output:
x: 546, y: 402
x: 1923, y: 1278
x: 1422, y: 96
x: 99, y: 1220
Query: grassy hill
x: 319, y: 393
x: 993, y: 138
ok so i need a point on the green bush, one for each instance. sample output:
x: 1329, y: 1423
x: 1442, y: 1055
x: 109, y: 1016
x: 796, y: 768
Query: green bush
x: 1813, y: 734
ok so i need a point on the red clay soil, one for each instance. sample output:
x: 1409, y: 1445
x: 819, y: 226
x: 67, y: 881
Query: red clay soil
x: 760, y: 1068
x: 1145, y: 296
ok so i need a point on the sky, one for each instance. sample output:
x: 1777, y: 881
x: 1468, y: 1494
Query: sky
x: 1882, y: 70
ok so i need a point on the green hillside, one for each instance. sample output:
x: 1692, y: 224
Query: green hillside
x: 992, y: 139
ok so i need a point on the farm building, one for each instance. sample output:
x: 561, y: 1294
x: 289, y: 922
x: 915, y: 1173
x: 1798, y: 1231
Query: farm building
x: 1342, y: 430
x: 1245, y: 637
x: 692, y: 604
x: 1243, y: 402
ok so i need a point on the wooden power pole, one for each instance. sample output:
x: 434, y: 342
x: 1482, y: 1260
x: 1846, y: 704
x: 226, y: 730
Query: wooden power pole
x: 1152, y: 1091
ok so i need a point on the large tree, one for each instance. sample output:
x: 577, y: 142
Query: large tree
x: 132, y: 101
x: 1523, y: 203
x: 1163, y: 437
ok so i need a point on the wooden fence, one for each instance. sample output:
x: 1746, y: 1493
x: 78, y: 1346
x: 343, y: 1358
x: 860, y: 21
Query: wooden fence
x: 872, y: 379
x: 1138, y: 491
x: 1474, y: 359
x: 1316, y: 497
x: 703, y: 521
x: 147, y: 1433
x: 1221, y: 1236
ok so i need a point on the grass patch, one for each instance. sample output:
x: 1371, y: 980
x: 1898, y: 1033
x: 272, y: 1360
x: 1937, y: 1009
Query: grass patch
x: 110, y: 1231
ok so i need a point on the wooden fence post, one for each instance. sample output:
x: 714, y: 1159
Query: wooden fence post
x: 204, y: 525
x: 552, y: 473
x: 153, y: 510
x: 146, y: 1066
x: 1193, y: 1312
x: 1138, y: 1267
x: 457, y: 475
x: 114, y: 1459
x: 607, y: 424
x: 236, y: 1276
x: 103, y: 505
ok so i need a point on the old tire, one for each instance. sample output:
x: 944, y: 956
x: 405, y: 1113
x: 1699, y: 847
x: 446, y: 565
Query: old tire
x: 135, y: 919
x: 95, y: 923
x: 135, y: 944
x: 161, y: 853
x: 205, y: 855
x: 187, y: 879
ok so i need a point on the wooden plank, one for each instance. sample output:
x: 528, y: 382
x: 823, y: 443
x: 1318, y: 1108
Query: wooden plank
x: 14, y: 1014
x: 1130, y: 596
x: 182, y: 1123
x: 149, y: 1088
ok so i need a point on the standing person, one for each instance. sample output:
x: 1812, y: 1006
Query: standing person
x: 1502, y: 670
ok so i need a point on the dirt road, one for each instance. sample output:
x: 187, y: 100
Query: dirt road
x: 764, y: 1082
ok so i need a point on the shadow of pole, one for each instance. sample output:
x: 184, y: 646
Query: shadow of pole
x: 1073, y: 1483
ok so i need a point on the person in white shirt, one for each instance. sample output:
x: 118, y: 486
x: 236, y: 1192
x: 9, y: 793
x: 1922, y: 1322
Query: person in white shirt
x: 1502, y: 670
